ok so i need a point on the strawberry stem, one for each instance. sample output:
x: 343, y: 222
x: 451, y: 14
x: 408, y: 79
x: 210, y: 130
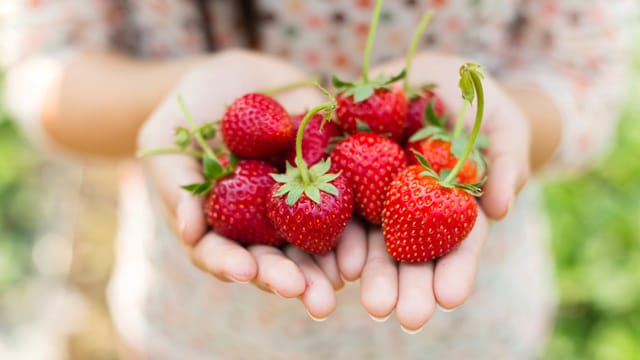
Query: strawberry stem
x: 460, y: 120
x: 370, y: 37
x: 426, y: 18
x: 291, y: 86
x: 170, y: 150
x: 300, y: 163
x: 472, y: 71
x: 205, y: 147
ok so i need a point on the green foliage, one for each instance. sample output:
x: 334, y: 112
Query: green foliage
x: 596, y: 242
x: 18, y: 206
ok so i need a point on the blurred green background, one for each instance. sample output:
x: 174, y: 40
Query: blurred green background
x: 596, y: 243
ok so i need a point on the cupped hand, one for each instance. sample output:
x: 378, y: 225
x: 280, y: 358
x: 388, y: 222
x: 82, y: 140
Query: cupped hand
x: 214, y: 83
x: 413, y: 290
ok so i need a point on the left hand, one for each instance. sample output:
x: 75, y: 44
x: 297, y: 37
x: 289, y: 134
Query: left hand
x: 413, y: 290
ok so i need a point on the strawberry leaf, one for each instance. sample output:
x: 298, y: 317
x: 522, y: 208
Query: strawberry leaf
x: 212, y: 168
x: 432, y: 117
x: 320, y: 168
x: 482, y: 142
x: 338, y: 83
x: 313, y: 193
x: 426, y: 132
x: 473, y: 189
x: 294, y: 193
x: 395, y: 78
x: 283, y: 190
x: 328, y: 188
x: 428, y: 169
x: 362, y: 126
x: 362, y: 92
x: 198, y: 189
x: 281, y: 178
x: 457, y: 146
x: 233, y: 162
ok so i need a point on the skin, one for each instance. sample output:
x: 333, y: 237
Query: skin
x: 522, y: 125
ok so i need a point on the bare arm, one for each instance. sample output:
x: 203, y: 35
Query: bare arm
x: 100, y: 100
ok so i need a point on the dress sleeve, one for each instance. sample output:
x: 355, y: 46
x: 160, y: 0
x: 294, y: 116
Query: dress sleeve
x: 577, y: 52
x: 37, y: 37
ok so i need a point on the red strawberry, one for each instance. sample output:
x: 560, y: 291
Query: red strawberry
x: 422, y: 219
x: 256, y: 126
x: 370, y: 162
x: 310, y: 225
x: 236, y: 204
x: 314, y: 140
x: 415, y: 111
x: 384, y: 112
x: 438, y: 153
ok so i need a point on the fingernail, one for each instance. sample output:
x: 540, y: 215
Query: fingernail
x: 317, y: 318
x: 379, y: 319
x: 236, y: 279
x: 411, y: 332
x: 277, y: 293
x: 445, y: 309
x: 182, y: 221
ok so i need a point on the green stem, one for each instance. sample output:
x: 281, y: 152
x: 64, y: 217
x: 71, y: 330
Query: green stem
x: 205, y: 147
x: 460, y: 120
x: 170, y: 150
x: 477, y: 84
x: 372, y: 34
x: 302, y: 165
x: 291, y: 86
x: 426, y: 18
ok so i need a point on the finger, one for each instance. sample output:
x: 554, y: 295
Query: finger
x: 351, y: 252
x: 319, y: 298
x: 329, y: 265
x: 456, y: 271
x: 277, y: 273
x: 224, y: 258
x: 190, y: 219
x: 182, y: 208
x: 416, y: 302
x: 508, y: 157
x: 379, y: 281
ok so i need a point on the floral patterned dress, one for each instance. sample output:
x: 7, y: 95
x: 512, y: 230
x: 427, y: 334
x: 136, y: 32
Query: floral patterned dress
x: 161, y: 304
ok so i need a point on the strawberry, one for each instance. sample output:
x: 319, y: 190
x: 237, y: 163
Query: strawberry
x: 422, y: 219
x: 315, y: 139
x: 375, y: 103
x: 416, y: 108
x: 256, y: 126
x: 426, y: 216
x: 236, y: 204
x: 314, y: 226
x: 384, y: 112
x: 370, y: 162
x: 438, y: 153
x: 310, y: 207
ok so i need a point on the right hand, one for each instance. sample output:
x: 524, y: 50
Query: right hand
x: 212, y: 84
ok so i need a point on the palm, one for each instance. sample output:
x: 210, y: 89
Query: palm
x: 287, y: 272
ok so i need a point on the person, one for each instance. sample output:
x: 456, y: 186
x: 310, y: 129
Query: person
x: 101, y: 78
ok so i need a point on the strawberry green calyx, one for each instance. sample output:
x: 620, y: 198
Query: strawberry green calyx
x: 426, y: 19
x: 301, y: 179
x: 362, y: 90
x: 471, y: 85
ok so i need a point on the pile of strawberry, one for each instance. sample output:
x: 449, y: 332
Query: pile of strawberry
x: 376, y: 149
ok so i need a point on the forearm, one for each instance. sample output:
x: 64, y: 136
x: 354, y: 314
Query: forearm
x: 100, y: 100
